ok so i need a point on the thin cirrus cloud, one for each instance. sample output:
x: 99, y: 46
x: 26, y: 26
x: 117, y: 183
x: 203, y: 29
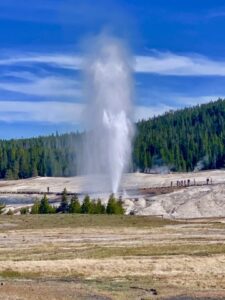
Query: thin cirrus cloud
x: 162, y: 63
x: 56, y: 112
x: 48, y: 112
x: 179, y: 65
x: 54, y: 86
x: 191, y: 101
x: 58, y: 60
x: 60, y: 112
x: 62, y: 90
x: 145, y: 112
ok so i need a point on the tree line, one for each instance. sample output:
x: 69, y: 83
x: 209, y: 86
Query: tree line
x: 180, y: 140
x: 54, y: 155
x: 73, y: 206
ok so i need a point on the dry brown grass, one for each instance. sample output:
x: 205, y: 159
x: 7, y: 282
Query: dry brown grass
x: 119, y: 257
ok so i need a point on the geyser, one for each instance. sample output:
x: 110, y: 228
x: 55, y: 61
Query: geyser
x: 109, y: 111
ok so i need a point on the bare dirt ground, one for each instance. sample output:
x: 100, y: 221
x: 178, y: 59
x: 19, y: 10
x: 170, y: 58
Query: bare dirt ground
x: 143, y: 194
x: 111, y: 257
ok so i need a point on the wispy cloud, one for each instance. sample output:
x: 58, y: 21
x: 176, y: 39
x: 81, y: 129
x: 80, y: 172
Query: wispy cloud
x: 36, y: 11
x: 161, y: 101
x: 146, y: 112
x: 162, y: 63
x: 54, y: 86
x: 62, y: 91
x: 56, y: 112
x: 50, y: 112
x: 203, y: 15
x: 179, y: 65
x: 216, y: 14
x: 195, y: 100
x: 58, y: 60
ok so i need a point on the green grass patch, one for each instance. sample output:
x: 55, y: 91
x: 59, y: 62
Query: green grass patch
x: 12, y: 274
x: 104, y: 252
x: 151, y: 250
x: 77, y: 220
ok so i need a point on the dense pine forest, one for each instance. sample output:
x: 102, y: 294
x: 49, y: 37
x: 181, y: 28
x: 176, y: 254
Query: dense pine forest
x: 181, y: 140
x: 53, y: 155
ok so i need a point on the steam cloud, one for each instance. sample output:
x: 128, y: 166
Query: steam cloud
x: 109, y: 88
x: 202, y: 164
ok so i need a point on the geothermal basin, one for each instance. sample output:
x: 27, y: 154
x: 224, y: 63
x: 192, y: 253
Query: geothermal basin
x: 143, y: 194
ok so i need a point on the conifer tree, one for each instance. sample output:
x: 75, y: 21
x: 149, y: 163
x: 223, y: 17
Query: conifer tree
x: 100, y: 208
x: 45, y: 207
x: 74, y: 206
x: 64, y: 205
x: 114, y: 206
x: 86, y: 205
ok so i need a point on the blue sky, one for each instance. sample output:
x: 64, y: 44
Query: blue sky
x: 178, y: 48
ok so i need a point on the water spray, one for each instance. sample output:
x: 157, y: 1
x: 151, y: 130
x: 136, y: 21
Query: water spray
x: 109, y: 110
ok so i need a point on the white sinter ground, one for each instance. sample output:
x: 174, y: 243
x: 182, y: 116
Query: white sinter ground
x: 191, y: 202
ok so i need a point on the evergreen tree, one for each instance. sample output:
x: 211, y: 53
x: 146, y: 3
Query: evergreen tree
x: 100, y: 208
x: 9, y: 175
x: 45, y: 207
x: 64, y: 205
x: 86, y: 205
x: 74, y: 206
x: 34, y: 171
x: 92, y: 207
x: 114, y: 206
x: 15, y: 170
x: 110, y: 208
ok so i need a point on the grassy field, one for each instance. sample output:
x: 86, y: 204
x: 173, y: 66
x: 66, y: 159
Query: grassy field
x: 110, y: 257
x: 76, y: 220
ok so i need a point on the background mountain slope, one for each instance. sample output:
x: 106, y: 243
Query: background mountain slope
x: 182, y: 140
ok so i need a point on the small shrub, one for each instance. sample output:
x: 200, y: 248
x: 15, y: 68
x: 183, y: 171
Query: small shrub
x: 24, y: 210
x: 2, y: 207
x: 35, y: 208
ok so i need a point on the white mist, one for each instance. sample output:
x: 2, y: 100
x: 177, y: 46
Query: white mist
x: 109, y: 111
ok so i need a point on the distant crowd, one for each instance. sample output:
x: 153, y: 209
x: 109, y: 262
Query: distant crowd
x: 188, y: 182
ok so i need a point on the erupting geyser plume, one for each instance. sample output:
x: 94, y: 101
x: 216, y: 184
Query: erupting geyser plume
x: 109, y: 110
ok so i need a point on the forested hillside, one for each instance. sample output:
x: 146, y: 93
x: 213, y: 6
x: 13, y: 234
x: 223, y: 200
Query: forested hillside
x: 181, y: 140
x: 53, y: 155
